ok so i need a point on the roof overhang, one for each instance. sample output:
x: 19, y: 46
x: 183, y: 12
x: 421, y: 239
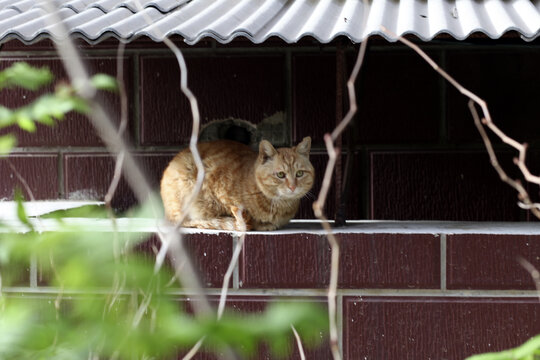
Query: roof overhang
x: 257, y: 20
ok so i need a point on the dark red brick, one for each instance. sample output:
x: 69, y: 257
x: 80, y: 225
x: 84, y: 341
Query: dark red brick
x: 210, y: 254
x: 75, y: 129
x: 224, y: 87
x: 285, y: 261
x: 366, y: 261
x: 398, y: 78
x: 88, y: 176
x: 435, y: 328
x: 39, y: 171
x: 511, y: 94
x: 319, y: 162
x: 353, y: 201
x: 15, y: 269
x: 533, y: 164
x: 15, y: 276
x: 491, y: 261
x: 314, y: 96
x: 257, y: 305
x: 439, y: 186
x: 17, y: 45
x: 146, y: 43
x: 398, y: 99
x: 390, y: 261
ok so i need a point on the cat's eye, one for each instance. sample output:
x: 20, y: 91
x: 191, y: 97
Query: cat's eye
x: 299, y: 173
x: 280, y: 174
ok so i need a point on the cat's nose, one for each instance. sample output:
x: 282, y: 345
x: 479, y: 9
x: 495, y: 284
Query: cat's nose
x: 292, y: 187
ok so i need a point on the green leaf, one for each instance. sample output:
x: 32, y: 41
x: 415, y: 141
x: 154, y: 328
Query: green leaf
x: 524, y: 351
x: 6, y: 117
x: 25, y: 122
x: 80, y: 105
x: 104, y: 82
x: 46, y: 119
x: 7, y: 142
x: 85, y: 211
x: 14, y: 324
x: 21, y: 212
x: 26, y: 76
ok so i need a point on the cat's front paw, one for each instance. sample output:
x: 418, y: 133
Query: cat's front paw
x: 243, y: 227
x: 265, y: 227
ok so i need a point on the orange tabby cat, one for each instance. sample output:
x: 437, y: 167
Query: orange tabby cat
x: 266, y: 186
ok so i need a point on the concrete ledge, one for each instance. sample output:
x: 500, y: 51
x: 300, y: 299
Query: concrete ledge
x: 295, y: 227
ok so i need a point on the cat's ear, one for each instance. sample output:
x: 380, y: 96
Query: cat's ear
x: 304, y: 146
x: 266, y: 151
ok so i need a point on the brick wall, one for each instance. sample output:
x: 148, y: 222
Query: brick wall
x: 416, y: 156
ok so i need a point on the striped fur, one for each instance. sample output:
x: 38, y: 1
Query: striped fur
x: 266, y: 186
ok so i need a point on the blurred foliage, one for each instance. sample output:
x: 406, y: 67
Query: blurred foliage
x: 100, y: 297
x: 23, y: 75
x: 47, y: 108
x: 105, y: 299
x: 530, y: 350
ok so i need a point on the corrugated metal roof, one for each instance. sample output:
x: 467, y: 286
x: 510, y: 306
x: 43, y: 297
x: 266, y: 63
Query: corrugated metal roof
x: 257, y: 20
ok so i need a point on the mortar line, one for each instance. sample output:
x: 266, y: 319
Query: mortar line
x: 443, y: 261
x: 319, y: 294
x: 33, y: 272
x: 288, y: 99
x: 60, y: 169
x: 339, y: 310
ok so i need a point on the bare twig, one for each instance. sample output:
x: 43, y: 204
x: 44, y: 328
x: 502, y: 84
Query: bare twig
x: 21, y: 179
x: 123, y: 123
x: 226, y: 279
x: 60, y: 295
x: 118, y: 285
x: 535, y: 274
x: 115, y: 180
x: 194, y: 106
x: 194, y: 350
x: 228, y: 274
x: 116, y: 144
x: 353, y: 107
x: 33, y: 261
x: 299, y: 344
x: 523, y: 195
x: 173, y: 234
x: 176, y: 247
x: 141, y: 310
x: 318, y: 205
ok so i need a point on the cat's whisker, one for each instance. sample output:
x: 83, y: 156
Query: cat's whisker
x: 309, y: 195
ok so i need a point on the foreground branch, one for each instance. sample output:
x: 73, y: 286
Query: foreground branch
x: 523, y: 195
x: 116, y: 144
x: 318, y: 205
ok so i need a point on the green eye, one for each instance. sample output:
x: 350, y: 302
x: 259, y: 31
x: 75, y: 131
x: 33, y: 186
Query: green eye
x: 280, y: 174
x: 299, y: 173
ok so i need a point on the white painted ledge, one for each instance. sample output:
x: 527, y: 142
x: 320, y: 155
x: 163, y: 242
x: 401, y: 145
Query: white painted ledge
x: 35, y: 209
x: 295, y: 227
x: 8, y: 209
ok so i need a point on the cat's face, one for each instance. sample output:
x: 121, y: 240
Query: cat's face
x: 285, y: 173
